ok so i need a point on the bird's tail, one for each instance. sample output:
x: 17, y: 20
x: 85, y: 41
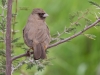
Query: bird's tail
x: 39, y: 52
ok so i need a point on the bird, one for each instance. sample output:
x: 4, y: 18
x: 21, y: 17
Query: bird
x: 36, y: 33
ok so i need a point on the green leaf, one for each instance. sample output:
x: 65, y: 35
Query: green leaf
x: 70, y: 29
x: 98, y: 25
x: 15, y: 40
x: 14, y: 23
x: 94, y: 3
x: 72, y: 16
x: 29, y: 65
x: 77, y: 24
x: 46, y: 63
x: 88, y: 21
x: 91, y: 36
x: 2, y: 52
x: 55, y: 35
x: 53, y: 41
x: 61, y: 38
x: 3, y: 2
x: 13, y: 15
x: 40, y: 68
x: 19, y: 44
x: 25, y: 49
x: 1, y: 39
x: 2, y: 73
x: 2, y: 26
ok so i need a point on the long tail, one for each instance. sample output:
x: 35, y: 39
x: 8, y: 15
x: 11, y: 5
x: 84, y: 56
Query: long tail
x: 39, y: 52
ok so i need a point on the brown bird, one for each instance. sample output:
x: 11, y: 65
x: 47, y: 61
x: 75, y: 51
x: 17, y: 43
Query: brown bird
x: 36, y: 33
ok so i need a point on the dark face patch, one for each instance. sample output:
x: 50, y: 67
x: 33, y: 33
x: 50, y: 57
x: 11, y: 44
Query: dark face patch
x: 41, y: 15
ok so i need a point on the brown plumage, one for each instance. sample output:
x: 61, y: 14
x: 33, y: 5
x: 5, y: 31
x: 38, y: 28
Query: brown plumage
x: 36, y: 33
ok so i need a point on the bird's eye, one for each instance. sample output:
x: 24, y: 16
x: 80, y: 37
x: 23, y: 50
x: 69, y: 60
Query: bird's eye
x: 41, y: 14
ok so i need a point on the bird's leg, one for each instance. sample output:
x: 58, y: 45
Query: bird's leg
x: 28, y: 52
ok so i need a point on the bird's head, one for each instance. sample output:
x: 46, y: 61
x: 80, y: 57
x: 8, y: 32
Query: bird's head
x: 38, y: 11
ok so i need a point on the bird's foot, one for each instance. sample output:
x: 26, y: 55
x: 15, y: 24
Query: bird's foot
x: 28, y: 53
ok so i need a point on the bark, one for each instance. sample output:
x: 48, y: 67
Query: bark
x: 8, y: 38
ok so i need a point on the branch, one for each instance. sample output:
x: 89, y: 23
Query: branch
x: 21, y: 63
x: 18, y: 66
x: 62, y: 41
x: 8, y: 38
x: 15, y: 68
x: 75, y: 35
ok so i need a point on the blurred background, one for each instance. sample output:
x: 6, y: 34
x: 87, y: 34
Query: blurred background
x: 80, y: 56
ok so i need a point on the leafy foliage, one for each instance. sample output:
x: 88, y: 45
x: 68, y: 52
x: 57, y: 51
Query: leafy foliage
x: 3, y: 2
x: 91, y: 36
x: 68, y: 61
x: 93, y: 3
x: 2, y: 38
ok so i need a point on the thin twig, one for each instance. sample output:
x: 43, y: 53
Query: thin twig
x: 21, y: 63
x: 80, y: 18
x: 15, y: 68
x: 14, y: 58
x: 65, y: 40
x: 18, y: 66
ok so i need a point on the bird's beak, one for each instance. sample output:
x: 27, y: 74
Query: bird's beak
x: 45, y: 15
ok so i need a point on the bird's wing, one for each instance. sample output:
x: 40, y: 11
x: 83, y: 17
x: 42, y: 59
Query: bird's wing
x: 27, y: 40
x: 43, y: 35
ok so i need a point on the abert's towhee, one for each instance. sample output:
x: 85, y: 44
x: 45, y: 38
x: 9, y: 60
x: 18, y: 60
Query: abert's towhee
x: 36, y: 33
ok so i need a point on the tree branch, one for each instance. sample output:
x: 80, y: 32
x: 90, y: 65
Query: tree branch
x: 8, y: 38
x: 75, y: 35
x: 62, y: 41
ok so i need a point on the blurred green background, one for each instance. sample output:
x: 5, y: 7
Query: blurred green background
x: 80, y: 56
